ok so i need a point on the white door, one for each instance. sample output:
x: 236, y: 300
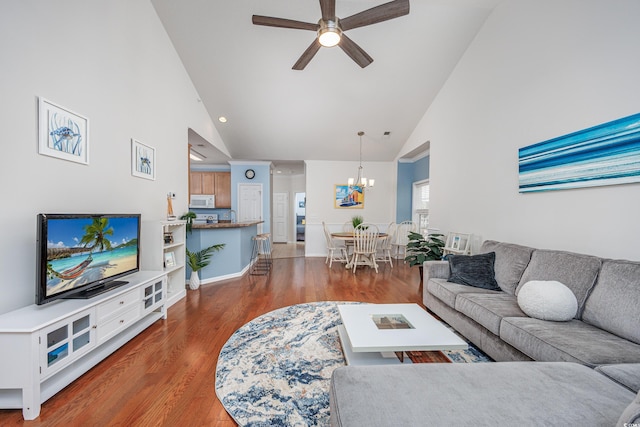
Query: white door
x: 280, y: 217
x: 250, y: 203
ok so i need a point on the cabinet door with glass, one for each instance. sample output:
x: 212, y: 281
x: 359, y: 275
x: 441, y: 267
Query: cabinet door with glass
x: 63, y: 342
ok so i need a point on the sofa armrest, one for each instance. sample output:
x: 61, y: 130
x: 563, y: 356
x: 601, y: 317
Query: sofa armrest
x: 436, y: 270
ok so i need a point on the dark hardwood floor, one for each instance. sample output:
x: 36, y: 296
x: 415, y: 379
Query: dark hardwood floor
x: 166, y: 375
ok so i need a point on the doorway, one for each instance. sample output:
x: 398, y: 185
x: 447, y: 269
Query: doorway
x: 300, y: 209
x: 280, y: 217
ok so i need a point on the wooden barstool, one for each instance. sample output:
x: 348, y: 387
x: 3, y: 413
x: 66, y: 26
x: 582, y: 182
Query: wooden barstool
x: 261, y: 255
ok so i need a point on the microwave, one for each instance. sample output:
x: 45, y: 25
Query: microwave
x: 202, y: 201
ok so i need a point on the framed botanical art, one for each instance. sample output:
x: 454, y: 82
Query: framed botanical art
x: 62, y: 133
x: 143, y: 160
x: 348, y: 197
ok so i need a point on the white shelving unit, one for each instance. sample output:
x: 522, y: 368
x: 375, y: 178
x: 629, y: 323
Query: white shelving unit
x: 154, y: 252
x: 46, y: 347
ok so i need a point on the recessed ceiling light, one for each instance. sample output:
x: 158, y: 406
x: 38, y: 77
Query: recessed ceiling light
x: 194, y: 157
x: 222, y: 119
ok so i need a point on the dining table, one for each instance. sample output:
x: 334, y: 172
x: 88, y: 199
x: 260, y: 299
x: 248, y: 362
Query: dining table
x: 347, y: 236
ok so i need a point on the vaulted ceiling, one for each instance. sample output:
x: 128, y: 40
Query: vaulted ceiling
x: 243, y: 72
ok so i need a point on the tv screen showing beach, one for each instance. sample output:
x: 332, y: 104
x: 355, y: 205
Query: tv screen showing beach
x: 85, y: 250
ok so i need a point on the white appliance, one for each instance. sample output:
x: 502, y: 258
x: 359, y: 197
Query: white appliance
x: 206, y: 218
x: 202, y: 201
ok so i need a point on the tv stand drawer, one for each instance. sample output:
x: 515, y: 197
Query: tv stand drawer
x: 111, y: 327
x: 119, y: 304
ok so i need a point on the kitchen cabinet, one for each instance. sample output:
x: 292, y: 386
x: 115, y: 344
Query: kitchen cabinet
x: 202, y: 183
x: 218, y: 183
x: 223, y: 189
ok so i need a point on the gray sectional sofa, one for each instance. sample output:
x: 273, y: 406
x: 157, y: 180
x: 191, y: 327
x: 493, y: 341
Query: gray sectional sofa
x: 586, y: 369
x: 605, y: 330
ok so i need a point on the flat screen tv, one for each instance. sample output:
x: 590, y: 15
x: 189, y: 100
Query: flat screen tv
x: 82, y: 255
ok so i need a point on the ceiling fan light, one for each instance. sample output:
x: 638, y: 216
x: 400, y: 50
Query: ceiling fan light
x: 329, y: 33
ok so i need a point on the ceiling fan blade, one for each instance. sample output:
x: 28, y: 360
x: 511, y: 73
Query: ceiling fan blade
x: 283, y: 23
x: 354, y: 51
x: 384, y: 12
x: 307, y: 55
x: 328, y: 8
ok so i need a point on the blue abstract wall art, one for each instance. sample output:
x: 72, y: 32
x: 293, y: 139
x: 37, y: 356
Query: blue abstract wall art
x: 607, y: 154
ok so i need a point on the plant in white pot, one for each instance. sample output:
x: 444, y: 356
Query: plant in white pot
x: 199, y: 260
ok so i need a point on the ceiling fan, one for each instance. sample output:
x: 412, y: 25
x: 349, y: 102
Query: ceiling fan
x: 330, y: 29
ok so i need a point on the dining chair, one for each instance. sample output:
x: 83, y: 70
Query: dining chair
x: 347, y: 227
x: 402, y: 237
x: 385, y: 246
x: 365, y: 238
x: 333, y: 247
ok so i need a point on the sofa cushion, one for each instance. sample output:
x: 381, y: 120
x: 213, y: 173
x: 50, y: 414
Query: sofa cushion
x: 474, y: 270
x: 447, y: 291
x: 578, y: 272
x: 511, y: 261
x: 631, y: 415
x: 478, y: 394
x: 547, y: 300
x: 488, y: 309
x: 573, y: 341
x: 614, y: 301
x: 627, y: 374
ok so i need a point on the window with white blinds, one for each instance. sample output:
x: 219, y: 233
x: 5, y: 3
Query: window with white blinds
x: 421, y: 205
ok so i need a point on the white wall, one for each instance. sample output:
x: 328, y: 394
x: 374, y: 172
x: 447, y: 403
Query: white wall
x: 112, y: 62
x: 322, y: 176
x: 537, y: 69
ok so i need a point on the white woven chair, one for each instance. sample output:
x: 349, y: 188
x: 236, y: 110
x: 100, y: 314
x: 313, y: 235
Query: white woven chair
x: 385, y: 246
x: 365, y: 238
x: 333, y: 247
x: 402, y: 238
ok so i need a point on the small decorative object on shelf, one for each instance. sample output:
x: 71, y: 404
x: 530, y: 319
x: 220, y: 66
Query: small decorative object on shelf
x: 170, y: 215
x: 189, y: 217
x: 168, y: 238
x: 169, y: 260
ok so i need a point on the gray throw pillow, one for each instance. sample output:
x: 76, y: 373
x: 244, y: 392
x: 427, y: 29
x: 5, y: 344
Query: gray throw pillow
x: 474, y: 270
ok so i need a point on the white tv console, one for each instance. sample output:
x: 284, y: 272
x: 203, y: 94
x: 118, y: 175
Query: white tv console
x: 45, y: 348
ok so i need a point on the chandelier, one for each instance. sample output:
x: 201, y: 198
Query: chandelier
x: 360, y: 180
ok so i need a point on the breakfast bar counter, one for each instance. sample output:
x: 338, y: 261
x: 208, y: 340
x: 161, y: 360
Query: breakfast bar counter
x: 221, y: 224
x: 234, y: 259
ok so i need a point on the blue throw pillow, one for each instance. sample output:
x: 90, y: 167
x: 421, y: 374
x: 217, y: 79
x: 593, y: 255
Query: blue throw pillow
x: 474, y: 270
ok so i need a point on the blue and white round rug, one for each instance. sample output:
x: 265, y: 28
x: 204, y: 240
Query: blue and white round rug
x: 276, y: 369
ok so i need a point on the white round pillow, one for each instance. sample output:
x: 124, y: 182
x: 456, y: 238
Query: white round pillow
x: 547, y: 300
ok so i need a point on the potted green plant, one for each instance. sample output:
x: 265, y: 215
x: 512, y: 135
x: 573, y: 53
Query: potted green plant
x: 356, y: 220
x: 199, y: 260
x: 189, y: 217
x: 421, y: 249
